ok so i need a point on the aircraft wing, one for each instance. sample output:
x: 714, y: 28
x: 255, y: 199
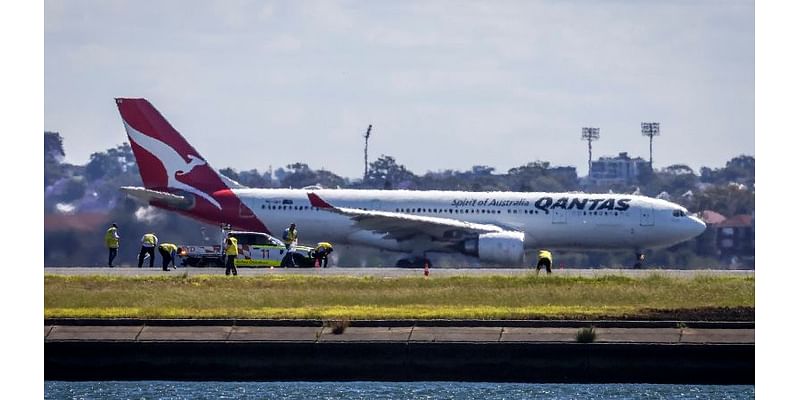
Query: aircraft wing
x: 148, y: 195
x: 402, y: 226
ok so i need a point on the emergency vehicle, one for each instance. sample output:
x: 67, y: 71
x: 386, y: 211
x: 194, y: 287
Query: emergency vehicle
x: 256, y: 249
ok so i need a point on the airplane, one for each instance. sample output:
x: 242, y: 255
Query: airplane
x: 497, y: 228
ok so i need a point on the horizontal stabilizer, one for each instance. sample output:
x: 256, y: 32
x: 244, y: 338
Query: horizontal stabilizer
x: 148, y: 195
x: 232, y: 183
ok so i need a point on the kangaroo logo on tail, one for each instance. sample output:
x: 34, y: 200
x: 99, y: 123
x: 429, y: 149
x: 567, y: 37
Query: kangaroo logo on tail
x: 173, y: 163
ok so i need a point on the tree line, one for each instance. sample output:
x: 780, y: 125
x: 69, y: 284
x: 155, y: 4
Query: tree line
x: 93, y: 188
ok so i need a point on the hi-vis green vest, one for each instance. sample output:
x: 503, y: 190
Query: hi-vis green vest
x: 149, y: 240
x: 233, y: 249
x: 112, y: 242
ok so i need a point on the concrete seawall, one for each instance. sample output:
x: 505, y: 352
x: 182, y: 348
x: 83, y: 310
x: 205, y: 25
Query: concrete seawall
x: 187, y: 351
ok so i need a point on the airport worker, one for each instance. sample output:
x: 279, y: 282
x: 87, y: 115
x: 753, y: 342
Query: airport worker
x: 149, y: 243
x: 112, y: 242
x: 167, y: 251
x: 231, y: 251
x: 290, y: 236
x: 639, y: 260
x: 321, y: 253
x: 545, y: 259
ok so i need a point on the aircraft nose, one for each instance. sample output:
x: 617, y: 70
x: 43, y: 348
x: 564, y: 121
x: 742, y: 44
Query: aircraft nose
x: 697, y: 226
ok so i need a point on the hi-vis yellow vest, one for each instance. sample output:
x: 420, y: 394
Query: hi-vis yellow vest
x: 233, y: 249
x: 169, y: 247
x: 111, y: 238
x: 323, y: 246
x: 290, y: 235
x: 149, y: 239
x: 546, y: 255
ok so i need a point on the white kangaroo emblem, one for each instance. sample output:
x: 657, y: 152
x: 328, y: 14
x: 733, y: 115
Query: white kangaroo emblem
x: 173, y: 163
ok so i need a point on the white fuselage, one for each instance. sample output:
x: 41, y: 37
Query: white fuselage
x: 548, y: 220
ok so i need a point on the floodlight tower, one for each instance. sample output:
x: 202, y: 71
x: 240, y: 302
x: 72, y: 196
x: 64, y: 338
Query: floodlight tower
x: 589, y: 135
x: 651, y: 129
x: 366, y: 144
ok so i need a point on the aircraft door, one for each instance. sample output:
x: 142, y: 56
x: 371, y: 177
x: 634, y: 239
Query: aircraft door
x: 559, y: 216
x: 646, y: 217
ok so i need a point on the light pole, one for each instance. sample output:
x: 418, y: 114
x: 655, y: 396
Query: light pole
x: 366, y: 145
x: 651, y: 129
x: 589, y: 135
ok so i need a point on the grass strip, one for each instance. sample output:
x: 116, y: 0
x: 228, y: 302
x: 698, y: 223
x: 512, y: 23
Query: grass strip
x: 299, y: 296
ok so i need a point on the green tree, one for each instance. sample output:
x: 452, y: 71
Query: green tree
x: 111, y: 163
x: 537, y: 176
x: 299, y: 175
x: 74, y: 189
x: 386, y: 173
x: 728, y: 200
x: 253, y: 178
x: 740, y: 169
x: 53, y: 154
x: 230, y: 173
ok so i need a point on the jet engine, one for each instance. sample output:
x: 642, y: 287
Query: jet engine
x: 505, y: 248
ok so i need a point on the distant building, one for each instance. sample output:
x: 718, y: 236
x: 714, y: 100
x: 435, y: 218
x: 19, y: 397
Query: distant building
x: 616, y: 170
x: 730, y: 240
x: 707, y: 242
x: 736, y: 237
x: 712, y: 217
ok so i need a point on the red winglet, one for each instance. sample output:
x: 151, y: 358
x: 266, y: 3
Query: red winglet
x: 316, y: 201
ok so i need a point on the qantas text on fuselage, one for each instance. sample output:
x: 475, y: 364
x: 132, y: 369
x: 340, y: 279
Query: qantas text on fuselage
x: 496, y: 227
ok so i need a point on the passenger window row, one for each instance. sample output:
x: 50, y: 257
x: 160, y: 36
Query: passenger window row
x: 266, y: 207
x: 676, y: 213
x: 446, y: 211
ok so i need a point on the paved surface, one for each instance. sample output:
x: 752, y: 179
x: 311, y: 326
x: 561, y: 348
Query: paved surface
x: 388, y: 272
x: 391, y: 334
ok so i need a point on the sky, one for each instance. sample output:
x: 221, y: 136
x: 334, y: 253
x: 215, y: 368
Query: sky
x: 445, y: 84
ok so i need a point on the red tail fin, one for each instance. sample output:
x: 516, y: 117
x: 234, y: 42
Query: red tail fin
x: 165, y: 158
x: 168, y: 163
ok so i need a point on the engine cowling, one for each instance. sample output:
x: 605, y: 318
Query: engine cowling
x: 506, y: 248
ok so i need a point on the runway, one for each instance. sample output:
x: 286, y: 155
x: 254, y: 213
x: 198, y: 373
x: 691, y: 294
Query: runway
x: 392, y: 272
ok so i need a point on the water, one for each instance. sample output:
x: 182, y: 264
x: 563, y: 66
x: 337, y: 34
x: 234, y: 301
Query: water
x: 384, y: 390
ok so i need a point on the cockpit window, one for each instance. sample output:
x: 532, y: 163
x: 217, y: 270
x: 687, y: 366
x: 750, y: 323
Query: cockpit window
x: 678, y: 213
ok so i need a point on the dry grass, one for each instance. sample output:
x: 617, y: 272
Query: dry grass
x: 496, y: 297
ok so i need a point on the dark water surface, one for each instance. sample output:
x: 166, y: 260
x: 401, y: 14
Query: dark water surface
x: 383, y: 390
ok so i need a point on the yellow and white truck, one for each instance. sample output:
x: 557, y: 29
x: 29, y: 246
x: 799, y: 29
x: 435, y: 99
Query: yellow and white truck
x: 256, y: 249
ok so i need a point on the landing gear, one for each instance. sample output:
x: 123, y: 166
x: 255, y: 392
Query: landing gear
x: 415, y: 262
x: 639, y: 261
